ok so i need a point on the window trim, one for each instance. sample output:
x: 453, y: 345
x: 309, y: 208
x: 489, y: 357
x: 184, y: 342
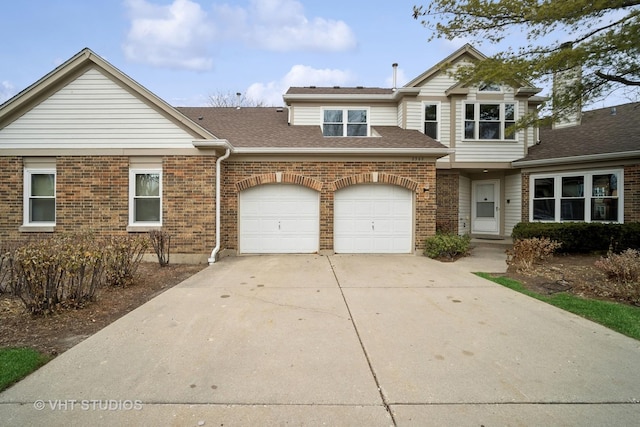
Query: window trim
x: 44, y: 167
x: 587, y: 192
x: 143, y: 225
x: 438, y: 120
x: 476, y: 120
x: 345, y: 121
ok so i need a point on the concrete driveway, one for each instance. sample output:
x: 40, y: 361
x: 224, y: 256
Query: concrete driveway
x: 339, y: 340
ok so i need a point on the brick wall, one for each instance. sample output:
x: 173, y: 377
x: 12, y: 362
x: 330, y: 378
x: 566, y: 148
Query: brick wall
x: 632, y: 193
x: 328, y: 177
x: 447, y: 195
x: 525, y: 197
x: 92, y: 193
x: 11, y: 173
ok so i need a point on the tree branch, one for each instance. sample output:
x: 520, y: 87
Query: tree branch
x: 618, y: 79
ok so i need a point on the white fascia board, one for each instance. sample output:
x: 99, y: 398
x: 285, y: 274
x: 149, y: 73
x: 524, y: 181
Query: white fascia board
x: 352, y: 97
x: 431, y: 152
x: 577, y: 159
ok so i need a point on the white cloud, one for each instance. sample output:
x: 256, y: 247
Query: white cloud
x: 6, y: 91
x: 299, y: 75
x: 401, y: 79
x: 176, y: 35
x: 281, y: 25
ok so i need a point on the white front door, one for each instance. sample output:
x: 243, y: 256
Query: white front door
x: 373, y: 218
x: 485, y: 207
x: 279, y: 218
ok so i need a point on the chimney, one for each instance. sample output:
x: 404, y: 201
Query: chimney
x: 563, y: 81
x: 395, y: 74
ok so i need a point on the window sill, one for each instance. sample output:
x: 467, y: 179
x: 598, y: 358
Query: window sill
x: 143, y: 228
x: 489, y: 140
x: 37, y: 228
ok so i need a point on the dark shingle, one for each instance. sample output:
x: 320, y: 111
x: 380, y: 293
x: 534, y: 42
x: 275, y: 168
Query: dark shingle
x: 267, y: 127
x: 600, y: 132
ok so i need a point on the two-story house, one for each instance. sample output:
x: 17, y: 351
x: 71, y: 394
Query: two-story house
x: 345, y: 170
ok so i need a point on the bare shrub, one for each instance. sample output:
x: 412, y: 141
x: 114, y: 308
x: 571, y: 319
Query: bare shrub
x: 123, y: 256
x: 623, y: 270
x: 161, y: 242
x: 62, y: 271
x: 526, y: 252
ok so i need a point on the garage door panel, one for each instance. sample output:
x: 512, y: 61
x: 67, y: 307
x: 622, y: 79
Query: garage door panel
x: 373, y: 219
x: 279, y: 219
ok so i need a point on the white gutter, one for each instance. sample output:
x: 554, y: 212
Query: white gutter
x: 577, y: 159
x: 215, y: 250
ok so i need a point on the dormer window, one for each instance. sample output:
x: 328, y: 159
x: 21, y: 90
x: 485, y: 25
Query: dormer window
x: 345, y: 122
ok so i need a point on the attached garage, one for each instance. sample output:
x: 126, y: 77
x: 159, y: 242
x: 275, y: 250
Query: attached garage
x: 279, y: 218
x: 373, y: 218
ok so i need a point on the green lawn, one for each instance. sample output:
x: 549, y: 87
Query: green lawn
x: 619, y: 317
x: 17, y: 363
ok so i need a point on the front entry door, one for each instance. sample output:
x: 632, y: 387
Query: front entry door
x: 485, y: 207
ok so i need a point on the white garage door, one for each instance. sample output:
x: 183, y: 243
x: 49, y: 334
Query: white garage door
x: 279, y: 218
x: 373, y: 219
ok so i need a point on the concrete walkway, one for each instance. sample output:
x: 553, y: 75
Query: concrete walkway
x: 342, y: 341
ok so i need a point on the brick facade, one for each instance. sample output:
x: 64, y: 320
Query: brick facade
x: 92, y: 193
x: 327, y: 177
x: 447, y: 194
x: 632, y: 193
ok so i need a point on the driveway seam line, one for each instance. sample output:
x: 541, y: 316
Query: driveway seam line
x: 387, y: 407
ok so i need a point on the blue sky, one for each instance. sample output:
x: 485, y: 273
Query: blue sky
x: 187, y: 50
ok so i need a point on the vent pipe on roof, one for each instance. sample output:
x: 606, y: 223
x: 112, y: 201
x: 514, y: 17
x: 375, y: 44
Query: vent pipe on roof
x: 238, y: 99
x: 395, y: 74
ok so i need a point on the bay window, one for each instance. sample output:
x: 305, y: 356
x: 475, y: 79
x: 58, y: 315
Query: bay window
x: 489, y: 121
x: 577, y: 196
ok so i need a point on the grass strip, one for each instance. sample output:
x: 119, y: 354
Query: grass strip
x: 621, y: 318
x: 17, y: 363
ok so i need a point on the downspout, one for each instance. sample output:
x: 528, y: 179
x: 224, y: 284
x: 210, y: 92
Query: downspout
x: 214, y: 252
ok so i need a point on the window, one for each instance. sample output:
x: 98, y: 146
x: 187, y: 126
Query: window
x: 583, y: 196
x: 145, y: 196
x: 345, y: 122
x: 489, y: 121
x: 39, y: 192
x: 431, y: 120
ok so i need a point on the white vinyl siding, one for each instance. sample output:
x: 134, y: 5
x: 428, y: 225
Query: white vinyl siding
x: 307, y: 116
x: 93, y: 111
x: 464, y: 205
x: 384, y: 115
x: 486, y: 150
x: 513, y: 202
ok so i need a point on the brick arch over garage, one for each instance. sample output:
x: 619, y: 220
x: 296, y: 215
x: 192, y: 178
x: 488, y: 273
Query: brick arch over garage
x: 375, y: 177
x: 279, y: 178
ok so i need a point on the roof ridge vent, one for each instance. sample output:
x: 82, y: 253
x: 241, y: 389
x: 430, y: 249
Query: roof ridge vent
x: 336, y: 87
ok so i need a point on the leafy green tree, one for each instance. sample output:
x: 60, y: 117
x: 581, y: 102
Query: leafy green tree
x: 601, y: 38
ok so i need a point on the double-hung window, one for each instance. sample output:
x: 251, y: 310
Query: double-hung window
x: 489, y: 121
x: 39, y: 193
x: 431, y: 120
x: 577, y: 196
x: 345, y: 122
x: 145, y: 194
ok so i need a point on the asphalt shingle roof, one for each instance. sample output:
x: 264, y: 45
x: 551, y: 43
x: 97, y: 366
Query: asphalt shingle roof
x: 600, y: 132
x: 268, y: 127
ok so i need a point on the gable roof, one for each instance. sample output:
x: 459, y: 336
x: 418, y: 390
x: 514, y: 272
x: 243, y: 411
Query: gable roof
x: 15, y: 107
x: 259, y: 129
x: 605, y: 133
x: 466, y: 50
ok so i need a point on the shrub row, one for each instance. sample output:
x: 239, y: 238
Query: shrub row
x: 582, y: 237
x: 67, y: 270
